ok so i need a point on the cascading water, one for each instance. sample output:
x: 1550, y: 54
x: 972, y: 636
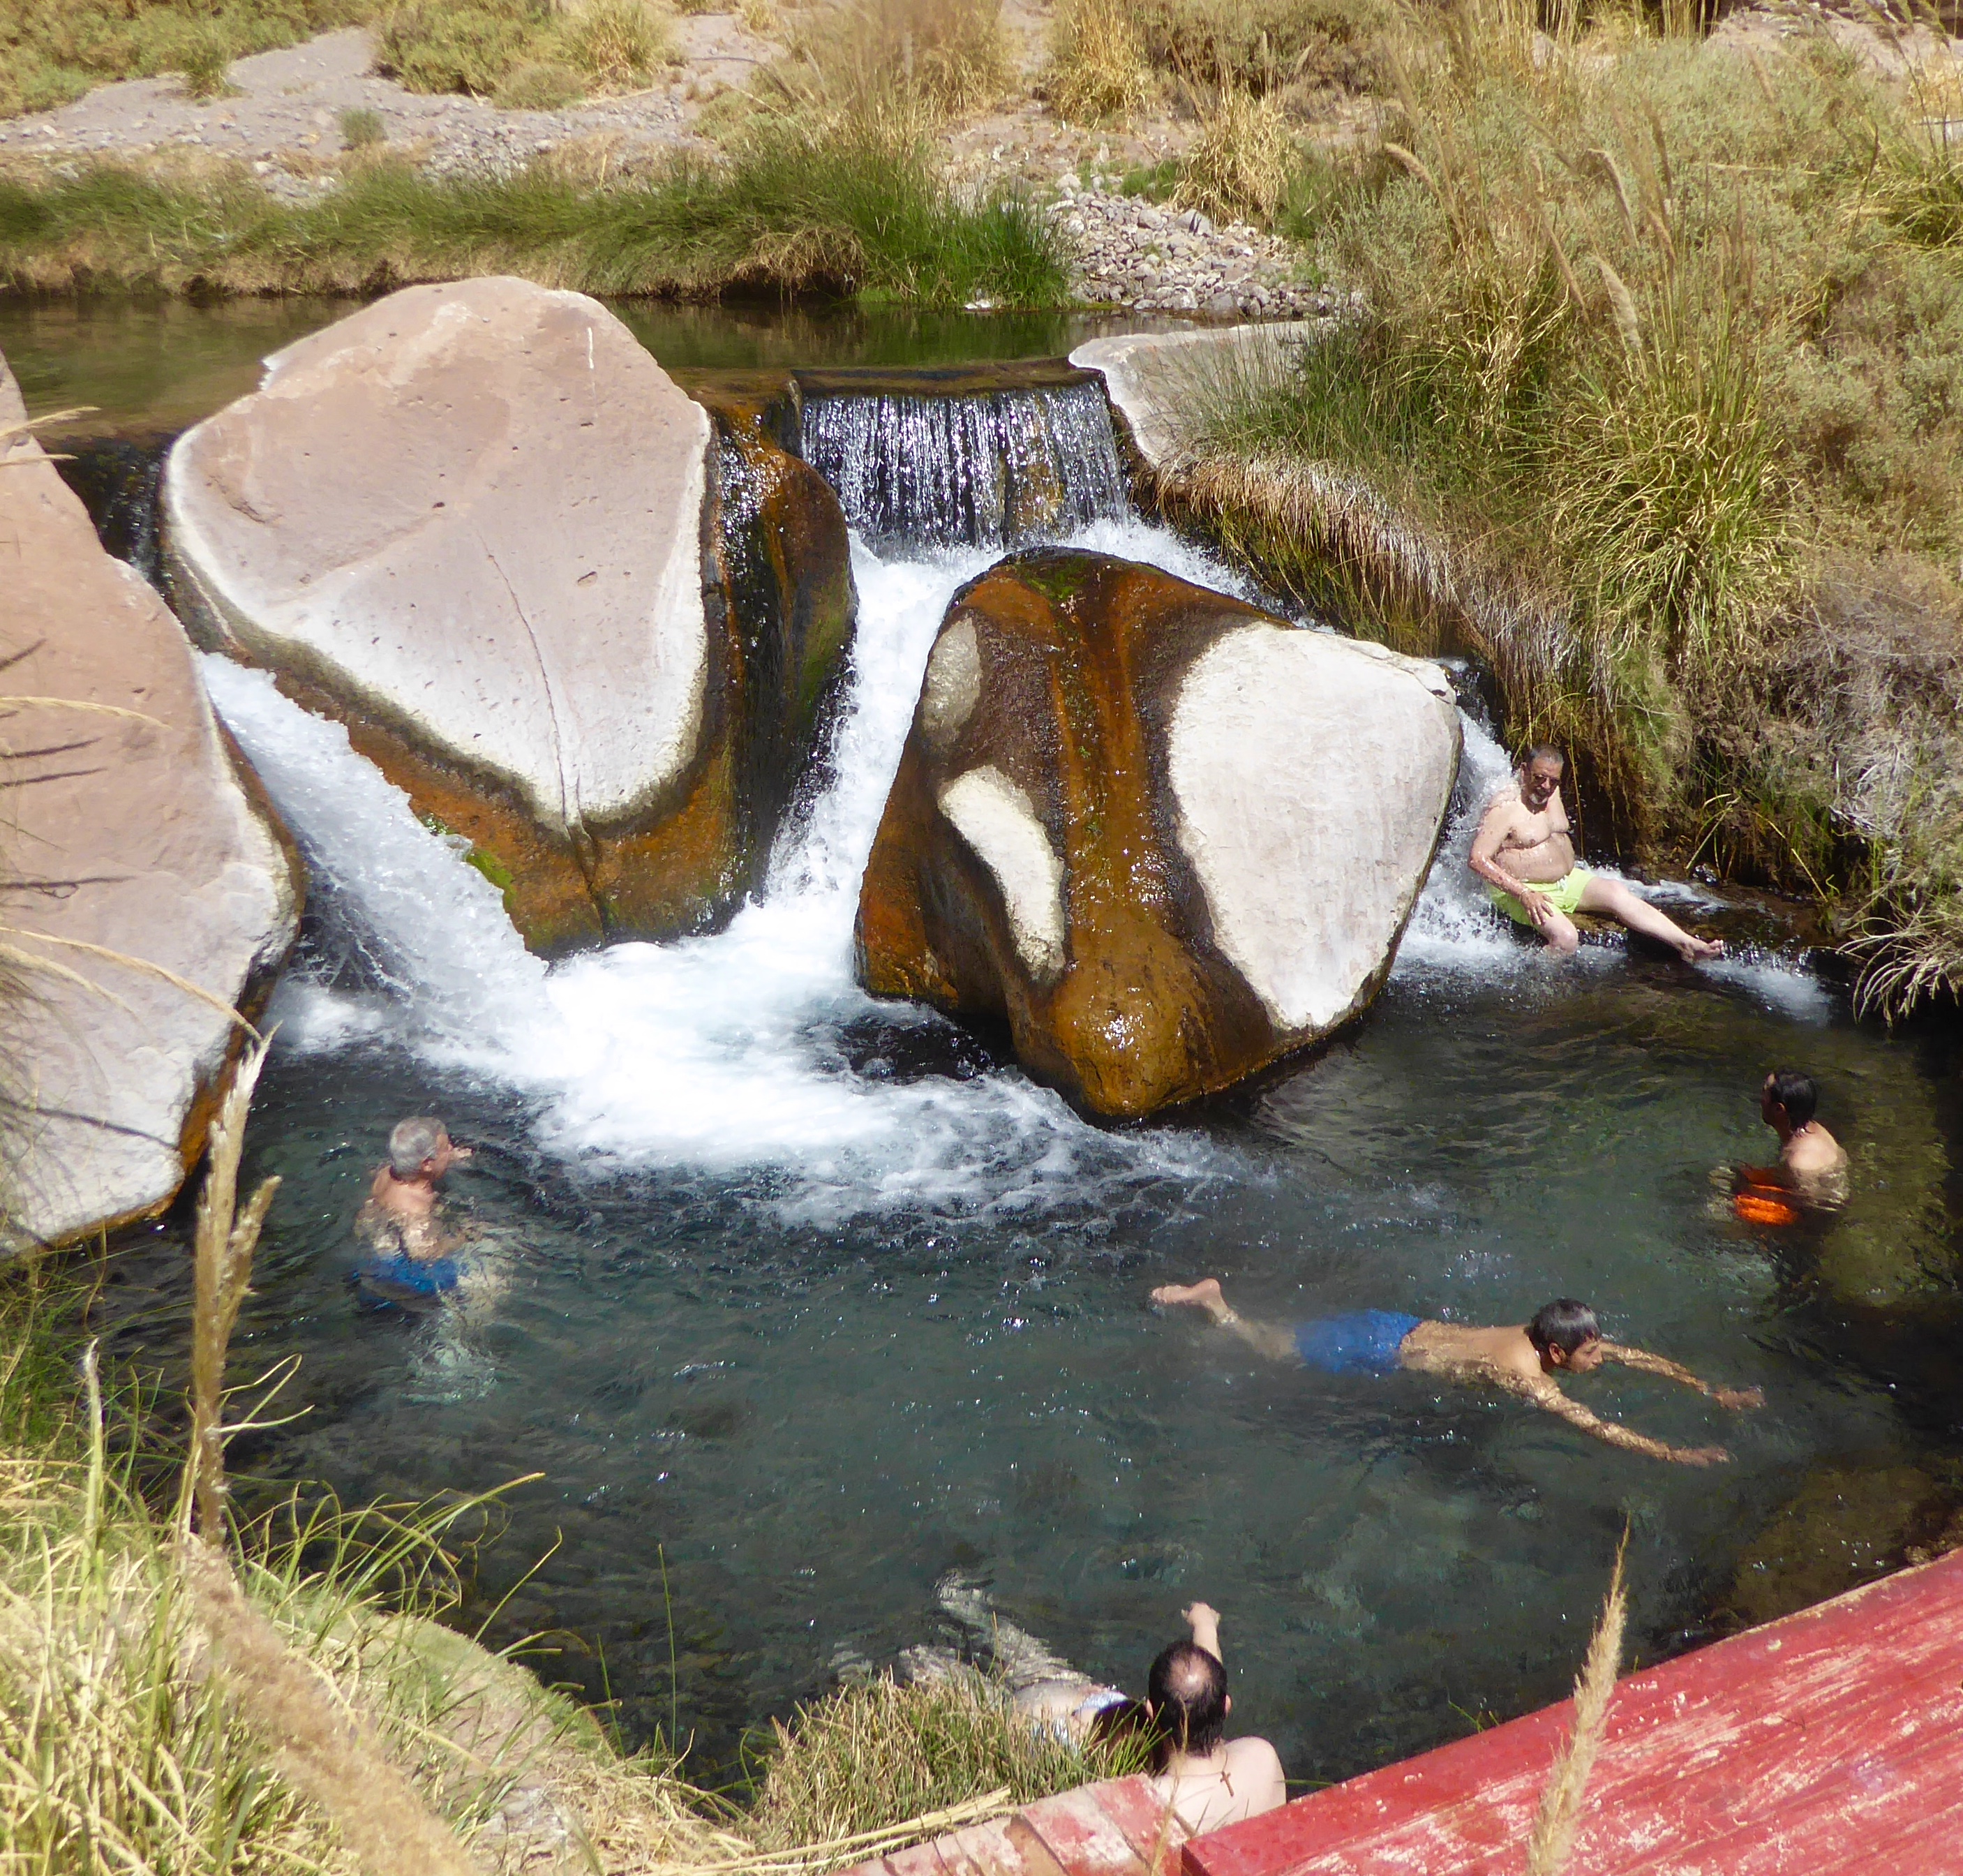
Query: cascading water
x: 984, y: 471
x: 719, y: 1053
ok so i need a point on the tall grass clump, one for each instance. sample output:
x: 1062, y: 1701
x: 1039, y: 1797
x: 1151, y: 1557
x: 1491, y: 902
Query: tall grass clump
x: 937, y: 59
x: 1657, y: 345
x: 1097, y: 72
x: 873, y: 1755
x: 1261, y: 46
x: 1239, y: 163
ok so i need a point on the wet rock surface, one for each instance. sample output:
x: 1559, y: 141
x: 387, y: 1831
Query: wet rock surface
x: 1127, y: 821
x: 468, y: 521
x: 133, y: 836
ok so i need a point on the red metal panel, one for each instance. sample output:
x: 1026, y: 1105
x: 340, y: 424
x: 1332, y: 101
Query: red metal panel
x: 1744, y: 1742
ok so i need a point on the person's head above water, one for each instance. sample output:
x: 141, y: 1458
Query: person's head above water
x: 1187, y: 1694
x: 420, y: 1149
x: 1567, y: 1335
x: 1541, y: 767
x: 1789, y: 1093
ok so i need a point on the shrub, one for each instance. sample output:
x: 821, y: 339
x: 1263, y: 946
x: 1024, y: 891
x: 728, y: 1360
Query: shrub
x: 466, y: 45
x: 1240, y: 163
x: 1097, y: 72
x: 618, y: 44
x: 539, y: 85
x: 1261, y: 46
x: 363, y: 128
x: 204, y: 57
x: 942, y: 56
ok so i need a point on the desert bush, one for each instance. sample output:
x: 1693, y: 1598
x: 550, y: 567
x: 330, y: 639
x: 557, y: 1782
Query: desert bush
x: 1097, y: 72
x: 467, y: 46
x: 1261, y: 46
x: 1239, y: 163
x: 944, y: 57
x: 618, y: 44
x: 363, y: 128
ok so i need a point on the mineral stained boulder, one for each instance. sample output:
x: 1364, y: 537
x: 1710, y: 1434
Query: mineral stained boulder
x: 1168, y: 838
x: 477, y: 523
x: 134, y: 846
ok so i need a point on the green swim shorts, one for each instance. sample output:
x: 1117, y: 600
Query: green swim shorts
x: 1564, y: 894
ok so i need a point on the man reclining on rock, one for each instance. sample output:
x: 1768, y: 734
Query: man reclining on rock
x: 1524, y: 853
x: 414, y: 1258
x: 1563, y: 1338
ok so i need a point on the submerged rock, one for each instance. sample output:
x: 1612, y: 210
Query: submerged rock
x: 1168, y: 838
x: 475, y: 523
x: 133, y: 834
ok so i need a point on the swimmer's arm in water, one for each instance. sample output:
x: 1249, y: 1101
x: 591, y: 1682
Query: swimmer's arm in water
x: 1204, y: 1620
x: 1649, y: 1364
x: 1547, y: 1395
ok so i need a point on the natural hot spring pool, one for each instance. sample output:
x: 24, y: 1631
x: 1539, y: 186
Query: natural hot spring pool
x: 812, y: 1304
x: 807, y: 1304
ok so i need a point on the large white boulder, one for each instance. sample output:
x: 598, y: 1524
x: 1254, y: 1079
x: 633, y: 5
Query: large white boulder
x: 1168, y: 838
x: 469, y: 521
x: 131, y: 840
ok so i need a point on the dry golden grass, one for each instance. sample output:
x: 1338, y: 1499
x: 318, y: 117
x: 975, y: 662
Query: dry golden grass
x: 1097, y: 72
x: 1551, y: 1841
x: 1240, y: 163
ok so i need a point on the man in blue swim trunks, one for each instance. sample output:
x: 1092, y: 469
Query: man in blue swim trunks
x: 1524, y: 853
x: 1563, y: 1338
x: 413, y: 1260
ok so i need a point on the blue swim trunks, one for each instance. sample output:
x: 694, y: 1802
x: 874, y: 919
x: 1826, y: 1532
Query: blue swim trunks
x: 402, y: 1279
x: 1364, y: 1343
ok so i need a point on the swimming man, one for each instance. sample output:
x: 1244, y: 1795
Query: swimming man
x: 1812, y: 1164
x: 1563, y: 1338
x: 1524, y: 853
x: 414, y: 1259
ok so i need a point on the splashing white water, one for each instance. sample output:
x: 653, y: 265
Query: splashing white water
x: 719, y: 1053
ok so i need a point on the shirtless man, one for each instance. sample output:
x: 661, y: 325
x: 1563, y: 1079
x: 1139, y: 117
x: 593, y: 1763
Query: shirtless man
x: 1207, y: 1778
x: 1812, y: 1164
x: 1523, y: 854
x: 413, y: 1248
x: 1563, y: 1338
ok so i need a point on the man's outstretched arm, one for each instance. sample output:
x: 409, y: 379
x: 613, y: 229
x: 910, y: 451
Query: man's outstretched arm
x: 1554, y: 1401
x: 1650, y: 1364
x: 1204, y: 1620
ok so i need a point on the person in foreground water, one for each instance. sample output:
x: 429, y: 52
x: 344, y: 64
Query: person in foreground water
x: 1524, y: 852
x: 1812, y: 1166
x: 413, y: 1248
x: 1206, y: 1779
x: 1563, y: 1338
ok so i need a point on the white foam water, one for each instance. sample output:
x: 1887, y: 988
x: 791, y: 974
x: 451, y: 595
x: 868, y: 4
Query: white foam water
x: 721, y: 1053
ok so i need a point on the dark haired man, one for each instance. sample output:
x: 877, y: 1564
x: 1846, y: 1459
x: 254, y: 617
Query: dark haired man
x: 1207, y: 1778
x: 1525, y: 854
x: 1812, y: 1164
x: 1563, y: 1338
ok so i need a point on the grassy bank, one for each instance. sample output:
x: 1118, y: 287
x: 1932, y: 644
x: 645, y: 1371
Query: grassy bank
x: 1656, y: 403
x: 846, y: 205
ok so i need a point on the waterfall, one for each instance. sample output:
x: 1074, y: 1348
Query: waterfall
x: 989, y: 470
x: 750, y: 1050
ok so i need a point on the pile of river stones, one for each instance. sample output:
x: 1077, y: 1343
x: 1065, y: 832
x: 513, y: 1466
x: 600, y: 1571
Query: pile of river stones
x: 1131, y: 252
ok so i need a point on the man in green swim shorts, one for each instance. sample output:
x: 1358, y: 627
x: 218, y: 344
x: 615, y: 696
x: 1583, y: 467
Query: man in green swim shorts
x: 1524, y: 853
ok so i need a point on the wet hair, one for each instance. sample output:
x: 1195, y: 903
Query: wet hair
x: 1563, y: 1324
x: 412, y: 1141
x: 1187, y: 1691
x: 1798, y: 1094
x: 1542, y: 752
x: 1123, y: 1720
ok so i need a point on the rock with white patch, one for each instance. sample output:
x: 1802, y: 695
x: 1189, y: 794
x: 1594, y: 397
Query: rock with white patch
x: 150, y: 890
x: 1168, y: 838
x: 476, y: 522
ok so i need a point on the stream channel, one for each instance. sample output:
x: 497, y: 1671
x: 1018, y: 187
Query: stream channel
x: 812, y: 1305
